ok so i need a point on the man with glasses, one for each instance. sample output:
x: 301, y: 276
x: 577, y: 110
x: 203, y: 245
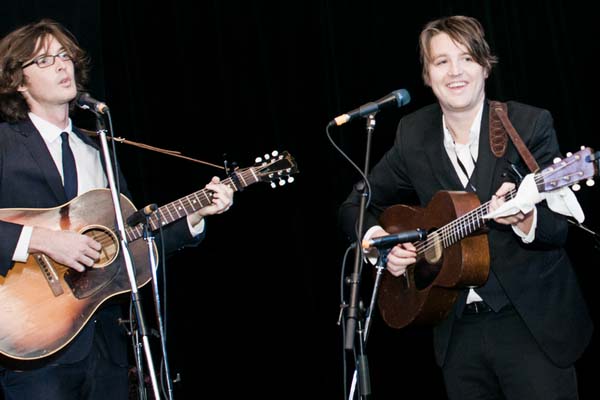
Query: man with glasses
x: 45, y: 162
x: 47, y: 60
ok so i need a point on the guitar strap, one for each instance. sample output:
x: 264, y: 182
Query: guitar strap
x: 500, y: 129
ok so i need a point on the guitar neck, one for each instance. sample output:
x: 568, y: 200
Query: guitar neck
x: 565, y: 172
x: 274, y: 168
x: 189, y: 204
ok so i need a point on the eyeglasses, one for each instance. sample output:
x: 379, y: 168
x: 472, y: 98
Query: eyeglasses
x: 48, y: 59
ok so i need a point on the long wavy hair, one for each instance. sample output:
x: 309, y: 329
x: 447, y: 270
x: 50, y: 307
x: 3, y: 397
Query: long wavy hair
x: 20, y: 46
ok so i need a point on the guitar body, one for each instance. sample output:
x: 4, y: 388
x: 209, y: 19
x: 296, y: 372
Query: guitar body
x: 428, y: 290
x: 43, y: 304
x: 455, y: 254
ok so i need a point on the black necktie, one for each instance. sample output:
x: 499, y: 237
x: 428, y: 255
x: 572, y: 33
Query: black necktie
x: 466, y: 162
x: 69, y: 168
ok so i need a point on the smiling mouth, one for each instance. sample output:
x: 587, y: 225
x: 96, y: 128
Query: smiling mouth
x: 456, y: 85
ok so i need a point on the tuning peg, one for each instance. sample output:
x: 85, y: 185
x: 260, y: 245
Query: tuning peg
x: 274, y: 153
x: 556, y: 160
x: 590, y: 182
x: 281, y: 182
x: 569, y: 154
x: 290, y: 179
x: 576, y: 187
x: 273, y: 185
x: 582, y: 147
x: 267, y: 156
x: 258, y: 160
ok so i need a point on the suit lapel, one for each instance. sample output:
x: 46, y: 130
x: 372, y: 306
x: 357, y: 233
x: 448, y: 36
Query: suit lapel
x: 442, y: 166
x: 486, y: 162
x: 437, y: 155
x: 32, y: 140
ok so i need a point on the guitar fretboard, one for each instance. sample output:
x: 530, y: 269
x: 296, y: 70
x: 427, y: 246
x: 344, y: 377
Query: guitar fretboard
x: 191, y: 203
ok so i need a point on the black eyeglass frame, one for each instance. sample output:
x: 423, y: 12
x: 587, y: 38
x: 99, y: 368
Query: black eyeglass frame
x: 63, y: 55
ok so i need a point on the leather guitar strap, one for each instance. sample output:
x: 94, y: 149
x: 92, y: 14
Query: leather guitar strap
x: 500, y: 126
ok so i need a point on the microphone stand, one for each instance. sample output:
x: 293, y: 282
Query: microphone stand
x: 362, y: 364
x: 137, y: 347
x: 149, y: 238
x: 352, y: 313
x: 135, y: 298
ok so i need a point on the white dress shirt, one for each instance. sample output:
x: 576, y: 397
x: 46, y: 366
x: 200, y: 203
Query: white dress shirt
x: 90, y: 174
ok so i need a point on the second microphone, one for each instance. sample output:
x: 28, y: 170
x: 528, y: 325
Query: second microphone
x: 385, y: 242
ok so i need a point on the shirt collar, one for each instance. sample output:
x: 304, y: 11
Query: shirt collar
x: 49, y: 131
x: 474, y: 132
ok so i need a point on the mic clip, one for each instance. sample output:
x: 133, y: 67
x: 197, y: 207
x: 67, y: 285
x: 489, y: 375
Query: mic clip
x: 87, y: 102
x: 141, y: 215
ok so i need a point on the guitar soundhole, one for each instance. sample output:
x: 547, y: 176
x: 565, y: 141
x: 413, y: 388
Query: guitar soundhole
x: 424, y: 274
x: 109, y: 242
x: 429, y: 264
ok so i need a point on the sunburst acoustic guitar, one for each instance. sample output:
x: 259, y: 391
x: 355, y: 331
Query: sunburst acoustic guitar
x: 44, y: 305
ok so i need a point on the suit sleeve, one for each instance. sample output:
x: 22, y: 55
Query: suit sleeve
x: 9, y: 236
x: 176, y: 236
x: 389, y: 185
x: 9, y: 232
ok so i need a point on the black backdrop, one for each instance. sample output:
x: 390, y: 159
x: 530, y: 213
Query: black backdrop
x: 253, y: 309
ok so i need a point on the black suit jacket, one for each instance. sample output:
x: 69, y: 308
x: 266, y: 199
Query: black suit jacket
x: 537, y: 278
x: 29, y: 179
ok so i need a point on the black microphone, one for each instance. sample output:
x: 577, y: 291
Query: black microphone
x: 385, y: 242
x: 397, y: 98
x: 87, y: 102
x: 140, y: 215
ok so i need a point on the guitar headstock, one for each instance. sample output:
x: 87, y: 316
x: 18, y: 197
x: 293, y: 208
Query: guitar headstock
x: 569, y: 171
x: 275, y: 168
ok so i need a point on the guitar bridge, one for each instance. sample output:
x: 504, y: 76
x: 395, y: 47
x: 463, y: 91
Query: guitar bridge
x: 49, y: 273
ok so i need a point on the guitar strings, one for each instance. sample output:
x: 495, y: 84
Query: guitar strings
x: 246, y: 175
x: 473, y: 220
x: 172, y: 211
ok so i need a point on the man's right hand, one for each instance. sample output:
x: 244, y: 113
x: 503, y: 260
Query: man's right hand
x: 400, y: 256
x: 71, y: 249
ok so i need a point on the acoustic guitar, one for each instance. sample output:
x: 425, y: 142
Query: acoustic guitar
x: 44, y: 305
x: 455, y: 254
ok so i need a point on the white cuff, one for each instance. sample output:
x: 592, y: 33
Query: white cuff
x: 530, y: 237
x: 197, y: 229
x: 22, y: 250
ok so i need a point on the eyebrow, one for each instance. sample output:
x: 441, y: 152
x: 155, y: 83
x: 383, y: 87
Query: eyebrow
x: 46, y: 51
x: 435, y: 57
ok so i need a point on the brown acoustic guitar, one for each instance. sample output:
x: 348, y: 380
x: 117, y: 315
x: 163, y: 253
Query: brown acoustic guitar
x: 455, y: 254
x: 44, y: 305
